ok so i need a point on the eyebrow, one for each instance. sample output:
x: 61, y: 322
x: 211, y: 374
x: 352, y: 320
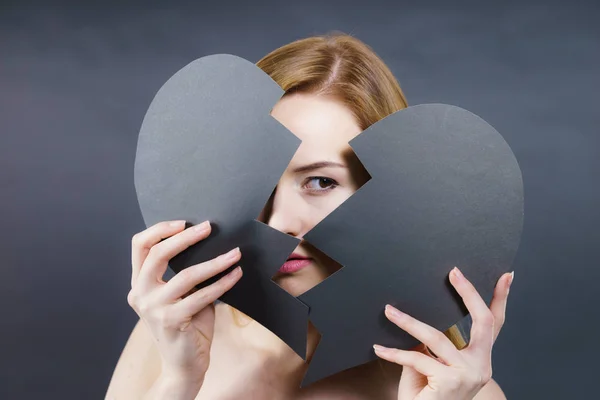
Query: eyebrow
x: 317, y: 165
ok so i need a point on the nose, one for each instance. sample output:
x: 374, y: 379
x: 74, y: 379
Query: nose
x: 288, y: 214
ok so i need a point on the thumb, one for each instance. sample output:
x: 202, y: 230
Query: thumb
x: 411, y: 383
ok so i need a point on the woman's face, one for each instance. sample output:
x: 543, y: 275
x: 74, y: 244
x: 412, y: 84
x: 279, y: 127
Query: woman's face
x: 323, y: 173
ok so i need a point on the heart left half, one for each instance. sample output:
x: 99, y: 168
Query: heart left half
x: 208, y: 149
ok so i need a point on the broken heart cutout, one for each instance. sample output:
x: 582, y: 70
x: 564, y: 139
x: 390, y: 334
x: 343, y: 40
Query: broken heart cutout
x: 209, y: 149
x: 446, y: 190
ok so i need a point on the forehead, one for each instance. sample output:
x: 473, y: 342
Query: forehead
x: 323, y: 123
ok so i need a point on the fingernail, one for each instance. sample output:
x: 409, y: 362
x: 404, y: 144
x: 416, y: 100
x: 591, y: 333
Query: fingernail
x: 237, y: 271
x: 510, y: 280
x: 232, y: 254
x: 202, y: 227
x: 175, y: 224
x: 457, y: 274
x: 394, y: 312
x: 380, y: 349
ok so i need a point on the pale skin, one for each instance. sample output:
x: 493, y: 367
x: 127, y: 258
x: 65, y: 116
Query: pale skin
x: 185, y: 347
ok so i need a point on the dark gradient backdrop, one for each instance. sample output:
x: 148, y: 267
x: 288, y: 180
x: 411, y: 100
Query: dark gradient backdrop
x: 75, y: 82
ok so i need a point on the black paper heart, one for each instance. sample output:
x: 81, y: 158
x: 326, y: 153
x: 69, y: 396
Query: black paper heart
x: 209, y: 149
x: 445, y: 190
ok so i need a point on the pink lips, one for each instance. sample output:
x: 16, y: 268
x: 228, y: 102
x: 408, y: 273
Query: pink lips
x: 295, y: 263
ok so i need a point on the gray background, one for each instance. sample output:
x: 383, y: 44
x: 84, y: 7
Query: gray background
x: 75, y: 83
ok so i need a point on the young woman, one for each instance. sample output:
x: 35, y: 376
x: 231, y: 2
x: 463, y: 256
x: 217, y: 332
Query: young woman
x: 188, y: 346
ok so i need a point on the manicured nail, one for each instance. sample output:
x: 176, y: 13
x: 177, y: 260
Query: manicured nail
x: 380, y: 349
x: 457, y: 274
x: 202, y: 227
x: 176, y: 224
x: 394, y: 312
x: 510, y: 280
x: 232, y: 254
x: 237, y: 271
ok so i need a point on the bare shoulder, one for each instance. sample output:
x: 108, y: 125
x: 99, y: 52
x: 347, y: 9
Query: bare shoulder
x: 491, y: 391
x: 137, y: 368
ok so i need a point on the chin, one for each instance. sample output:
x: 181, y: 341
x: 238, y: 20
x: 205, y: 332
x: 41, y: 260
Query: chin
x: 294, y: 285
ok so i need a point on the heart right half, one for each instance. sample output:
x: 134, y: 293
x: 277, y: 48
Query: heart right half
x: 446, y: 190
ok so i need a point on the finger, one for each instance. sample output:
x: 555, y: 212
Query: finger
x: 187, y: 279
x: 197, y: 301
x: 482, y: 330
x: 429, y: 336
x: 193, y: 290
x: 155, y: 265
x: 499, y: 300
x: 142, y: 242
x: 427, y: 351
x: 420, y: 362
x: 421, y: 348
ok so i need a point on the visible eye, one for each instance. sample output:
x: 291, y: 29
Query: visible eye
x: 319, y: 184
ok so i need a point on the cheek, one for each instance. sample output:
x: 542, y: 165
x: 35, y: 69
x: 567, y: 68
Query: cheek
x: 325, y: 205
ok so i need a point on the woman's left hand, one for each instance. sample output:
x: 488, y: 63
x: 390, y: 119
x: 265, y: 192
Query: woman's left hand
x: 454, y: 374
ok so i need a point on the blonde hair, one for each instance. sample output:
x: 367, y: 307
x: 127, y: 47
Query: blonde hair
x: 339, y: 65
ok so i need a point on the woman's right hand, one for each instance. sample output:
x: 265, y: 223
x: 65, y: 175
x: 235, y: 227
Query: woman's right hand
x: 181, y: 323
